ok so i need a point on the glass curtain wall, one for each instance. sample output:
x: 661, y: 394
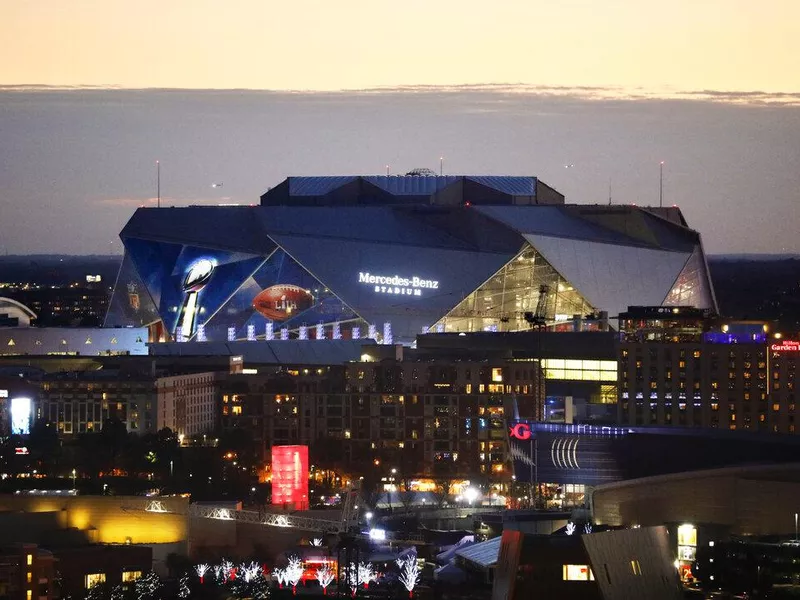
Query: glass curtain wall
x: 691, y: 288
x: 500, y: 304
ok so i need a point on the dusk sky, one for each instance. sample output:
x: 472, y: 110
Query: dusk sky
x: 712, y: 88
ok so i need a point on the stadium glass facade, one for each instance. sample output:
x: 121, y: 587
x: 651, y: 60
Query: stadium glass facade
x: 391, y: 257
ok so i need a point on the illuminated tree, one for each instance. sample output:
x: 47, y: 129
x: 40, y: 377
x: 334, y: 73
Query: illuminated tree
x: 325, y: 576
x: 219, y: 576
x: 148, y: 587
x: 316, y: 542
x: 570, y: 528
x: 228, y: 570
x: 183, y: 586
x: 259, y: 588
x: 97, y: 591
x: 365, y: 573
x: 587, y: 528
x: 201, y: 571
x: 249, y: 571
x: 118, y: 593
x: 280, y: 575
x: 409, y: 574
x: 294, y: 572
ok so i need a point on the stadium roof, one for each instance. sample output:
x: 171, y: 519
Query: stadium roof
x: 414, y: 188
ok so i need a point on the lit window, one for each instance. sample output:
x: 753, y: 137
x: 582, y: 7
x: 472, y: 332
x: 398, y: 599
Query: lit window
x: 687, y: 535
x: 636, y: 567
x: 128, y: 576
x: 28, y: 594
x: 347, y: 434
x: 30, y: 559
x: 236, y: 410
x: 577, y: 573
x: 92, y: 579
x: 497, y: 375
x: 30, y: 577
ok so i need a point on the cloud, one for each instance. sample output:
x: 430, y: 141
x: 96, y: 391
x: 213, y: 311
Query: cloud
x: 752, y: 97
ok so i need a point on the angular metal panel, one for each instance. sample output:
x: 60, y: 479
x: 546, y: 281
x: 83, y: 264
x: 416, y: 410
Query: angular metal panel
x: 609, y: 276
x: 339, y: 265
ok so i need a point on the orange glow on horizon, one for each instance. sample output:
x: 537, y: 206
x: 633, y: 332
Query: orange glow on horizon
x: 682, y: 44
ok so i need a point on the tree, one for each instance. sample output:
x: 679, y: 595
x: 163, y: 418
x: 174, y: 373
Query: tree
x: 324, y: 575
x: 444, y: 488
x: 280, y: 575
x: 294, y: 572
x: 228, y: 570
x: 366, y: 574
x: 409, y: 573
x: 201, y: 571
x: 99, y: 591
x: 119, y: 593
x: 148, y: 587
x: 44, y: 446
x: 183, y: 586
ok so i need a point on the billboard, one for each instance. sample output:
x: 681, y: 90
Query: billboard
x: 21, y: 409
x: 190, y: 286
x: 290, y: 476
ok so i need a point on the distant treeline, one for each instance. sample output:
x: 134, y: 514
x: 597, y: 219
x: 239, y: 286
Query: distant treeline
x: 750, y: 288
x: 58, y: 270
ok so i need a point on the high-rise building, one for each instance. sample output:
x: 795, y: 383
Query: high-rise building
x: 188, y: 404
x: 79, y: 402
x: 681, y: 366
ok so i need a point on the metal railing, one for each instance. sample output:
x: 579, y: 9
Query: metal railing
x: 260, y: 518
x: 283, y: 520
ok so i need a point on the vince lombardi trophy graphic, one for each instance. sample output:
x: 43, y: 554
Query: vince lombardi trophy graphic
x: 196, y: 279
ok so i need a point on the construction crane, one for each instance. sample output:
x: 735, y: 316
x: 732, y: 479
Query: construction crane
x: 538, y: 318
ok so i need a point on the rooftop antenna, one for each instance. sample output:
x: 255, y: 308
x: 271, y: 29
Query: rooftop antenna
x: 661, y: 185
x: 441, y: 166
x: 609, y: 191
x: 158, y: 183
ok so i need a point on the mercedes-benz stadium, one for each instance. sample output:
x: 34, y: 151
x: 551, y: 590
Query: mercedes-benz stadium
x: 390, y: 257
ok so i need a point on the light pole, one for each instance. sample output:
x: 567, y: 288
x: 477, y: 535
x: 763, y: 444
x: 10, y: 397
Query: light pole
x: 158, y: 182
x: 661, y: 185
x: 795, y: 527
x: 73, y: 479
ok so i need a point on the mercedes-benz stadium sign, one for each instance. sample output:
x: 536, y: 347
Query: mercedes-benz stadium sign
x: 395, y: 284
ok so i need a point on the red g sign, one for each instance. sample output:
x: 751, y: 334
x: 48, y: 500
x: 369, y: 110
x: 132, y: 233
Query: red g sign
x: 520, y: 431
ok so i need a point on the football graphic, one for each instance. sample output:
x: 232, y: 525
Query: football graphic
x: 283, y: 301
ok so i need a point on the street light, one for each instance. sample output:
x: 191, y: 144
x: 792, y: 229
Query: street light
x: 73, y: 479
x: 471, y: 494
